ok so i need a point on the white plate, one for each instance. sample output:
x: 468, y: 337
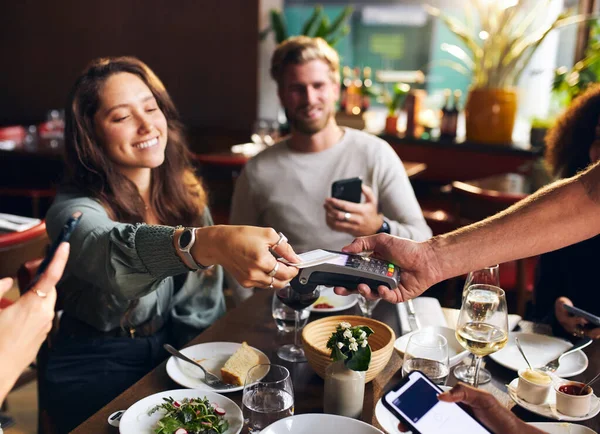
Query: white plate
x: 136, y: 419
x: 319, y: 423
x: 548, y: 409
x: 562, y: 428
x: 455, y: 351
x: 540, y: 349
x: 387, y: 420
x: 212, y: 356
x: 339, y: 302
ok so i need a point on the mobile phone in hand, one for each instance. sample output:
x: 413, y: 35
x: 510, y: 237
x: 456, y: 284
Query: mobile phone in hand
x: 592, y: 319
x: 64, y: 236
x: 347, y: 189
x: 414, y: 401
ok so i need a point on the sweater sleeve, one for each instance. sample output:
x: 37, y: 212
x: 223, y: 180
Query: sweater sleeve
x: 128, y: 260
x: 244, y: 209
x: 397, y: 199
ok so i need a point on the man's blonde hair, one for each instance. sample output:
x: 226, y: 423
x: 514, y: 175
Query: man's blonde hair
x: 301, y: 49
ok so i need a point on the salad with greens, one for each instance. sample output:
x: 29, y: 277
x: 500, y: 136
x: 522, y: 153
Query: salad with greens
x: 190, y: 416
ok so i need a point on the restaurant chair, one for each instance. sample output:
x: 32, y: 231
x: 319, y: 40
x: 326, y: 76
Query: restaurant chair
x: 474, y: 204
x: 25, y: 275
x: 39, y: 198
x: 16, y: 248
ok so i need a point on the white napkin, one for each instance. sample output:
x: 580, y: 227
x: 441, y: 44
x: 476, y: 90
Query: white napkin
x: 10, y: 222
x: 427, y: 309
x: 430, y: 313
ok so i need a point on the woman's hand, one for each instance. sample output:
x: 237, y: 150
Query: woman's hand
x: 573, y: 324
x: 244, y: 252
x: 25, y: 324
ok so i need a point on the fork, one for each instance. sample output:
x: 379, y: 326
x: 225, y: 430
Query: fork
x: 209, y: 378
x: 553, y: 365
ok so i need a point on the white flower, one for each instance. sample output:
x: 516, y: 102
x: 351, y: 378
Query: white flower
x: 345, y: 325
x: 352, y: 340
x: 347, y: 333
x: 353, y: 346
x: 363, y: 334
x: 364, y: 343
x: 340, y: 345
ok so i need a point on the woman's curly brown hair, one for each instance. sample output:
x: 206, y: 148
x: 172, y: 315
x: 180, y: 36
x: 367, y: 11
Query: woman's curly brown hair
x: 568, y: 142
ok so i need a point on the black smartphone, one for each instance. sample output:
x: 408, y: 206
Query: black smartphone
x: 64, y: 236
x: 347, y: 189
x: 414, y: 401
x: 592, y: 319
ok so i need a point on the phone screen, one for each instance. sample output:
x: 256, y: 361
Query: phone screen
x: 416, y: 402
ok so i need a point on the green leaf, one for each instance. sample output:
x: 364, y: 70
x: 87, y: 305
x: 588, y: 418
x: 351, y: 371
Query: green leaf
x: 323, y: 26
x: 341, y: 20
x: 337, y: 355
x: 310, y: 27
x: 278, y: 25
x: 360, y: 360
x: 334, y: 38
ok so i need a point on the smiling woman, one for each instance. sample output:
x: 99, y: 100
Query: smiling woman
x: 136, y: 281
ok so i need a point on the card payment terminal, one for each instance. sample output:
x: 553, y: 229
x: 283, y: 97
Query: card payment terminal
x: 347, y: 270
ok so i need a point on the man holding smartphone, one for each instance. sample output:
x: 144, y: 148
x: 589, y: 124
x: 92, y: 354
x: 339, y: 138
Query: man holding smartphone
x: 287, y: 186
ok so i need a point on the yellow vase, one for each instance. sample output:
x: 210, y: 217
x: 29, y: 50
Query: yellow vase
x: 490, y: 115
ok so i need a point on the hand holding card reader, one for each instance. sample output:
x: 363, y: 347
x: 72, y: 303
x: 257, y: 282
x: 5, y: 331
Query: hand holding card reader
x: 347, y: 270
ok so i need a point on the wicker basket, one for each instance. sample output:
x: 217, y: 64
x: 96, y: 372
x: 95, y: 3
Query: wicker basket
x: 316, y: 334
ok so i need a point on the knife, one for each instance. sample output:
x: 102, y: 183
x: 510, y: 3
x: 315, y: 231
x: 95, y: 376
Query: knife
x: 413, y: 321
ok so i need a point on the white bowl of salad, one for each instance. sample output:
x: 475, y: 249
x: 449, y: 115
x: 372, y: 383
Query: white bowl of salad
x: 183, y: 411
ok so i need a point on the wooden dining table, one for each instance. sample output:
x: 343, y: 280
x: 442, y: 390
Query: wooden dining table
x: 252, y: 322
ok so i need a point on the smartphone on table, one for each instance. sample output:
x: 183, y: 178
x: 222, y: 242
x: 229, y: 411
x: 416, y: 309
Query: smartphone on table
x: 347, y: 189
x: 414, y: 401
x: 64, y: 236
x: 593, y: 320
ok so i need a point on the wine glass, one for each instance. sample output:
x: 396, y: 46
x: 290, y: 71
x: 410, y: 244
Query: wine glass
x: 267, y: 397
x: 490, y: 276
x: 285, y: 316
x: 297, y: 301
x: 427, y: 352
x: 482, y: 326
x: 367, y: 306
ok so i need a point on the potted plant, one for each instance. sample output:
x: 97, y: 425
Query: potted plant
x: 394, y: 102
x: 497, y: 52
x: 539, y: 128
x: 317, y: 26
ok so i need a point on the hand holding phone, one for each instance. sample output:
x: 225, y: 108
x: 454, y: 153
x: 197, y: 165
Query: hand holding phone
x: 64, y: 236
x: 591, y: 318
x: 349, y: 189
x: 414, y: 401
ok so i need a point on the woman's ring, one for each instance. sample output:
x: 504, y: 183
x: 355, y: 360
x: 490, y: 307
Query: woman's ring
x: 347, y: 216
x: 281, y: 239
x: 273, y: 272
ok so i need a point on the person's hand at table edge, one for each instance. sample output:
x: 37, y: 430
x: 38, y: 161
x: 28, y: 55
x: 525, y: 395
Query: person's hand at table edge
x: 488, y: 410
x: 418, y: 268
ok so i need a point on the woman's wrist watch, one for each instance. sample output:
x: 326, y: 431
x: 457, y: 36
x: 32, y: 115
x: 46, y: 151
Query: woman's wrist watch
x: 186, y: 241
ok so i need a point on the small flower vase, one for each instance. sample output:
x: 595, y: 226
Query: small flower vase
x: 344, y: 390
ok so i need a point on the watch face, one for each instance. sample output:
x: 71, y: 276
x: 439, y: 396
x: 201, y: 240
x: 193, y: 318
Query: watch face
x: 185, y: 238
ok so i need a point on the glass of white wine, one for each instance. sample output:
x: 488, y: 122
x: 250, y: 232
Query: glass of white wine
x: 482, y: 326
x: 490, y: 276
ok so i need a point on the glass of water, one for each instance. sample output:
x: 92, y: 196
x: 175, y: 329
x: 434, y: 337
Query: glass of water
x: 285, y: 316
x: 268, y: 396
x: 427, y: 352
x: 367, y: 306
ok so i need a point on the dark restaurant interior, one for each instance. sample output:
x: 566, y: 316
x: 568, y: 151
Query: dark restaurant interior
x: 480, y: 103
